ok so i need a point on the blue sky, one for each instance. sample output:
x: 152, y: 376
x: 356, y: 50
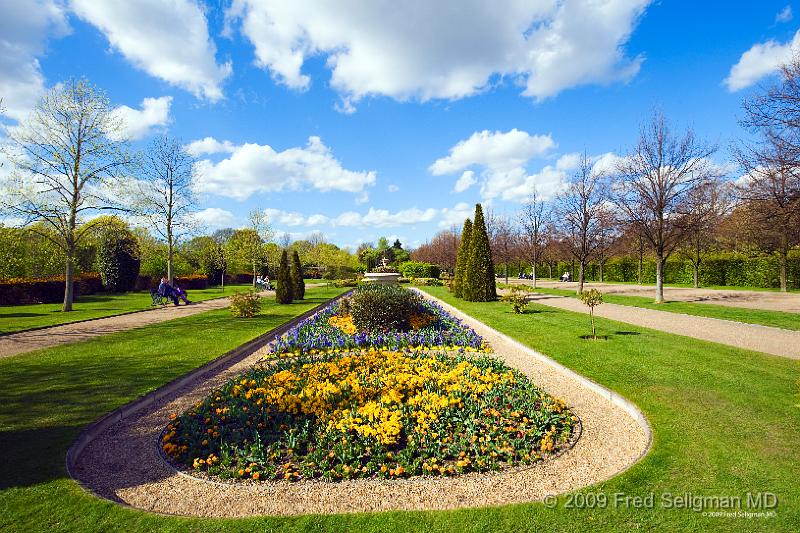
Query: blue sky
x: 393, y: 119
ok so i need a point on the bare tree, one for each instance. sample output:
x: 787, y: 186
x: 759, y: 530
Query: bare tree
x: 66, y: 156
x: 503, y: 239
x: 772, y: 164
x: 708, y: 206
x: 656, y: 182
x: 580, y: 207
x: 165, y: 198
x: 534, y: 218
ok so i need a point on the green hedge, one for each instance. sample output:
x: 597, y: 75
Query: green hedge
x: 725, y: 269
x: 418, y: 269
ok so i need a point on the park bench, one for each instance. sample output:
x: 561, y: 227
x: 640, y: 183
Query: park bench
x: 158, y: 298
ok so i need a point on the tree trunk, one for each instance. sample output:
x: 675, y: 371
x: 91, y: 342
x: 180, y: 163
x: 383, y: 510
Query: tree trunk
x: 549, y: 270
x: 170, y: 251
x: 641, y: 259
x: 68, y: 285
x: 533, y: 273
x: 506, y: 273
x: 696, y: 275
x: 601, y: 271
x: 223, y: 280
x: 254, y: 274
x: 784, y: 261
x: 581, y: 274
x: 660, y: 279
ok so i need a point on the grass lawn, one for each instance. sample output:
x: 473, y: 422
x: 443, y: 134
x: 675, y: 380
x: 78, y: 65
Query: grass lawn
x: 776, y: 319
x: 21, y: 317
x: 48, y: 396
x: 726, y: 421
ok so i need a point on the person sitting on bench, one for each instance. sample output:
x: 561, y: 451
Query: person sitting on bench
x: 565, y: 277
x: 173, y: 293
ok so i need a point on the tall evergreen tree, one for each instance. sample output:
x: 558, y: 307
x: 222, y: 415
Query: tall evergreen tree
x: 298, y: 285
x: 479, y: 281
x: 461, y: 259
x: 283, y: 289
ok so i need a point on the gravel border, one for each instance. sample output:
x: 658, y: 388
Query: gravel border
x: 121, y: 460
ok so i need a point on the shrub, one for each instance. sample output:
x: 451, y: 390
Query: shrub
x: 433, y: 282
x: 461, y: 259
x: 283, y: 285
x: 479, y: 281
x: 118, y: 260
x: 378, y: 307
x: 19, y: 291
x: 192, y: 282
x: 418, y: 269
x: 298, y: 285
x: 245, y: 304
x: 518, y: 300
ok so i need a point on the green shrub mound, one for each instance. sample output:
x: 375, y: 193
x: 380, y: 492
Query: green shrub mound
x: 245, y: 304
x: 419, y: 269
x: 376, y: 307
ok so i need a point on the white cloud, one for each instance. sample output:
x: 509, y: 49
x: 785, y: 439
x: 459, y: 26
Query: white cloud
x: 208, y: 146
x: 503, y: 158
x: 373, y: 218
x: 466, y: 181
x: 760, y: 61
x: 25, y: 27
x: 392, y: 188
x: 456, y: 215
x: 784, y: 15
x: 215, y: 218
x: 253, y: 168
x: 498, y: 150
x: 362, y: 198
x: 139, y: 123
x: 168, y: 40
x: 383, y: 218
x: 445, y: 49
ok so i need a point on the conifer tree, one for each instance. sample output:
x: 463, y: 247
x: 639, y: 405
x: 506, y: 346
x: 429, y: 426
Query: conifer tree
x: 479, y: 281
x: 298, y: 285
x: 283, y: 289
x: 461, y: 259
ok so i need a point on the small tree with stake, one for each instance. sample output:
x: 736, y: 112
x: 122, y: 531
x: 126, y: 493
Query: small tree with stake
x: 283, y: 290
x: 592, y: 298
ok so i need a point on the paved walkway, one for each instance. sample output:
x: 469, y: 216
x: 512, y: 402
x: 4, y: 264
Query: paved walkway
x: 775, y: 341
x: 27, y: 341
x: 766, y: 300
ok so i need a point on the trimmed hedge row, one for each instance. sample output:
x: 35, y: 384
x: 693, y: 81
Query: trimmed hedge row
x: 418, y: 269
x: 193, y: 282
x: 730, y: 269
x: 21, y: 291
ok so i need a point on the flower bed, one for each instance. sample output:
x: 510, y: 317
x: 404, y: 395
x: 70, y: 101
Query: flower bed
x: 338, y: 403
x: 370, y: 413
x: 332, y: 329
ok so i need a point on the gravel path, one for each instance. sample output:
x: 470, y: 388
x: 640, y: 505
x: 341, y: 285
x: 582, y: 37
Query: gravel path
x: 27, y: 341
x: 766, y: 300
x: 124, y: 465
x: 775, y: 341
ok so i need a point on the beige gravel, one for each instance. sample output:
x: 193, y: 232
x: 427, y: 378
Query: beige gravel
x: 766, y: 300
x: 774, y: 341
x: 27, y: 341
x: 123, y: 463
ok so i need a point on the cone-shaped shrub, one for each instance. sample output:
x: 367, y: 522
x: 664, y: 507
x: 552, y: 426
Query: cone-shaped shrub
x: 479, y: 282
x: 283, y: 288
x: 461, y: 259
x: 298, y: 285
